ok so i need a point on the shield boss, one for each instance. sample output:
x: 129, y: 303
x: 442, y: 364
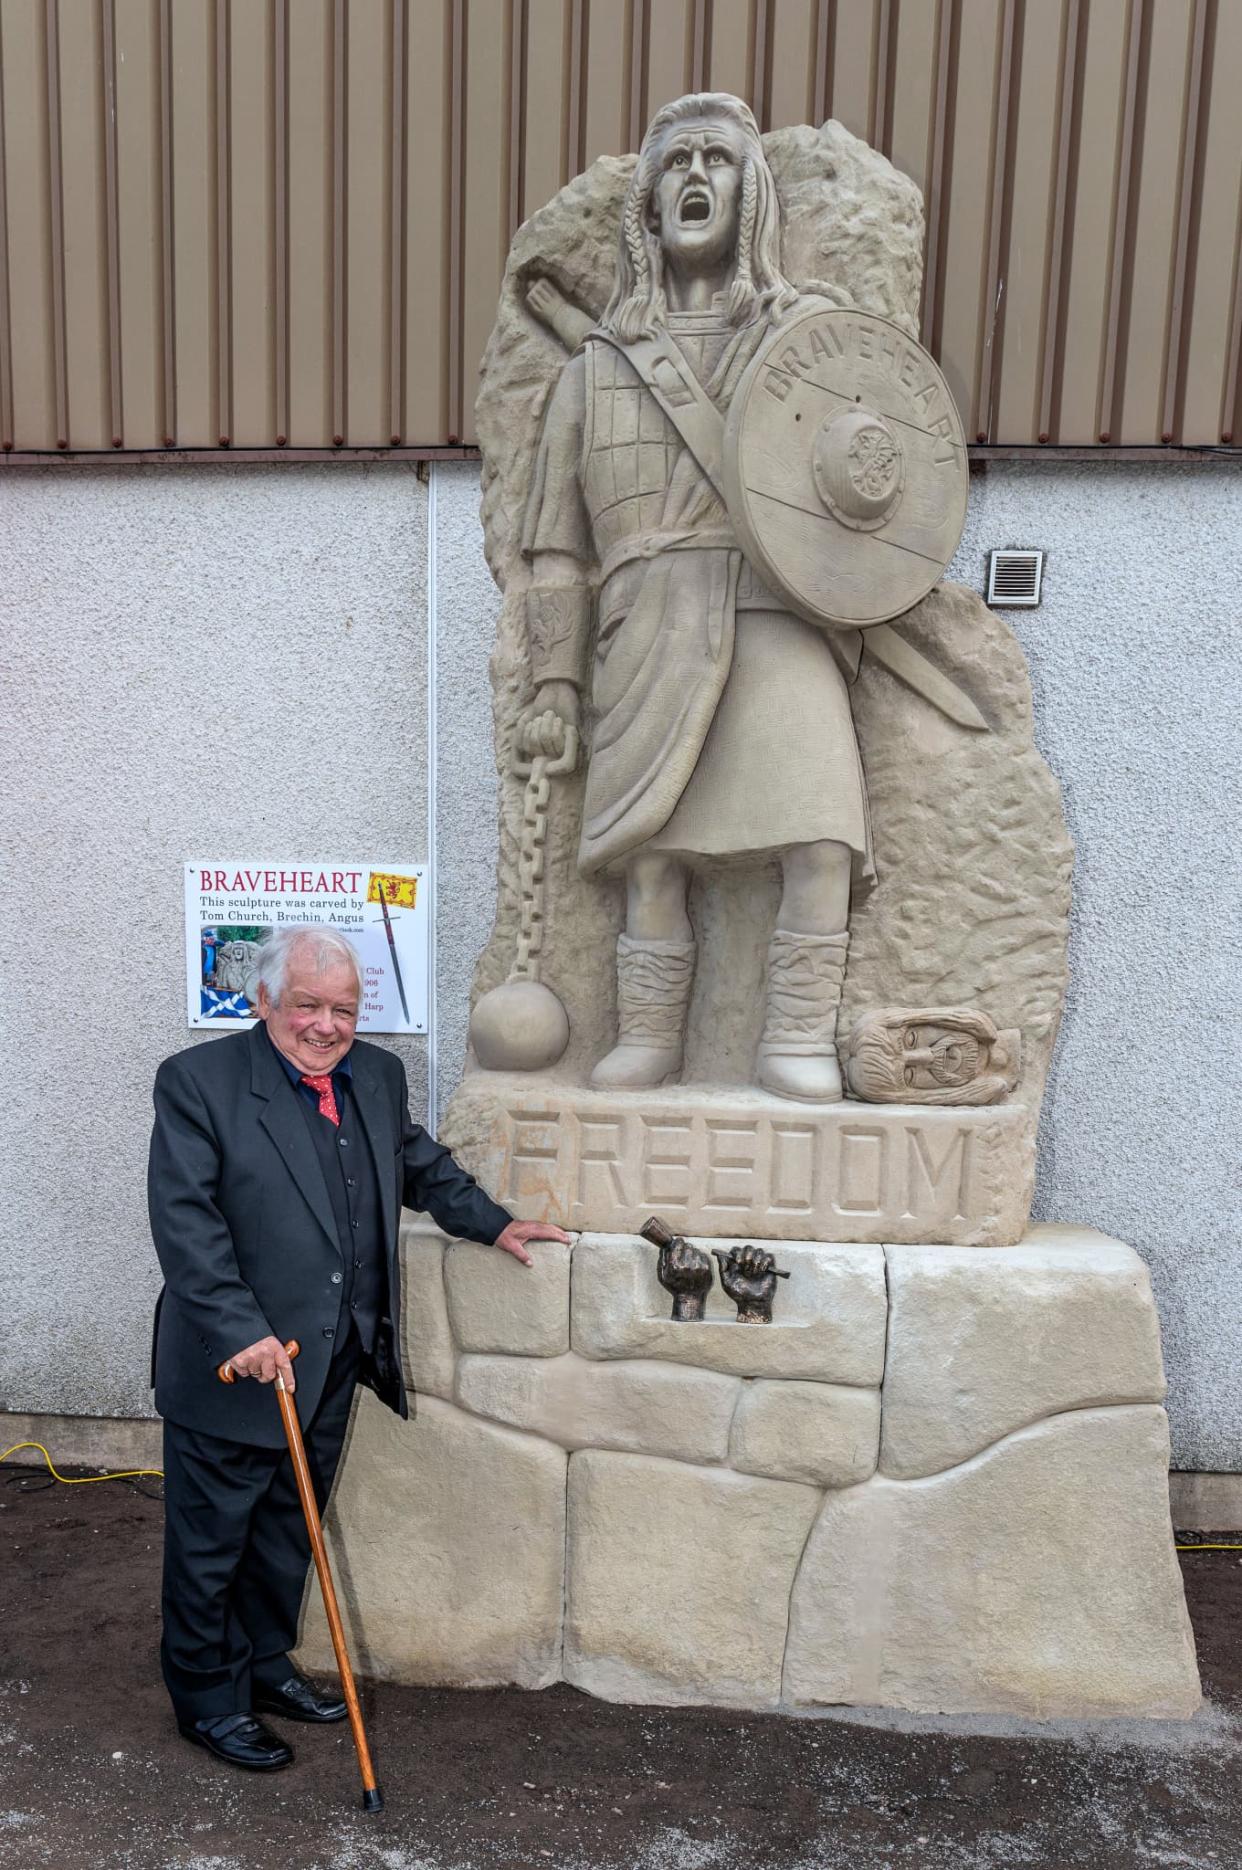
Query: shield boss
x: 845, y: 468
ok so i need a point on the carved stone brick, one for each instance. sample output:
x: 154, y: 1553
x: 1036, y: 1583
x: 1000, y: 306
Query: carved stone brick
x: 447, y: 1537
x: 982, y: 1344
x: 678, y: 1580
x: 497, y: 1304
x: 830, y: 1325
x: 818, y: 1432
x: 426, y: 1340
x: 636, y: 1406
x: 1037, y: 1579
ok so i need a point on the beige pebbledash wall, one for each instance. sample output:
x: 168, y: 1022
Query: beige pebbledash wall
x: 201, y: 663
x: 175, y: 644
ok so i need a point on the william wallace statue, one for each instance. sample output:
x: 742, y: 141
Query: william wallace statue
x: 722, y: 725
x: 720, y: 721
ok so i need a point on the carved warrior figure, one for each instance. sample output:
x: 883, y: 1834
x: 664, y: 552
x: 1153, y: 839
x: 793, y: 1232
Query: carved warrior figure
x: 721, y: 720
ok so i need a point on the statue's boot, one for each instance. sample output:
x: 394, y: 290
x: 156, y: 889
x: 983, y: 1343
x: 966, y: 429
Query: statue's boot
x: 797, y: 1054
x: 654, y: 979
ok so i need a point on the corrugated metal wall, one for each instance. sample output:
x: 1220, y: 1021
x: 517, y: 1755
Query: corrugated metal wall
x: 281, y: 223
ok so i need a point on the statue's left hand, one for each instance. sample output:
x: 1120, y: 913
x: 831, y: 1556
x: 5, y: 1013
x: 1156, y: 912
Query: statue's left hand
x: 515, y: 1236
x: 748, y: 1275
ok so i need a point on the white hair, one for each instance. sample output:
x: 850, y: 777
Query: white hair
x: 323, y: 946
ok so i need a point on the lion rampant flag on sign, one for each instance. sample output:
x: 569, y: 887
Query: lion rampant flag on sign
x: 398, y: 892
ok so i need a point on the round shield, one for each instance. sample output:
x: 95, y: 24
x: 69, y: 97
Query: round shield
x: 845, y: 467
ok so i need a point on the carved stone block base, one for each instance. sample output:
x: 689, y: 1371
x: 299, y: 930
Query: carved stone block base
x: 941, y: 1484
x: 738, y: 1162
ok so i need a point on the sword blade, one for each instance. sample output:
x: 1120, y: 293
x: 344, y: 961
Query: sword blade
x: 392, y: 950
x: 912, y: 667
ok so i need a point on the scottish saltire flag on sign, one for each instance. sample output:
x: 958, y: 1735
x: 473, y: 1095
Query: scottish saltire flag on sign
x: 214, y: 1005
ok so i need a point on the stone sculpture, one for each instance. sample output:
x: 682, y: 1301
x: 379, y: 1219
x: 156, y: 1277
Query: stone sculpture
x: 722, y: 724
x: 700, y: 355
x: 235, y: 963
x: 944, y: 1471
x: 936, y: 1055
x: 522, y: 1026
x: 861, y: 789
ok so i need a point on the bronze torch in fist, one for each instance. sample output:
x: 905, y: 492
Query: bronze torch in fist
x: 683, y: 1270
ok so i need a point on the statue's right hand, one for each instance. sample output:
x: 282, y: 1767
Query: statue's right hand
x: 683, y: 1268
x: 543, y: 726
x: 544, y: 299
x: 266, y: 1360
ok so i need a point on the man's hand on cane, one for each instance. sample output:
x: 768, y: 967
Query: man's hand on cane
x: 517, y: 1233
x: 266, y: 1360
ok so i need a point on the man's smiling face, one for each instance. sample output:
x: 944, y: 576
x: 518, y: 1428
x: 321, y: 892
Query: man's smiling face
x: 314, y: 1020
x: 694, y: 205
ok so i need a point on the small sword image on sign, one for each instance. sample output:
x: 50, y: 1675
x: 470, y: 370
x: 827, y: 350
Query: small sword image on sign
x: 844, y: 467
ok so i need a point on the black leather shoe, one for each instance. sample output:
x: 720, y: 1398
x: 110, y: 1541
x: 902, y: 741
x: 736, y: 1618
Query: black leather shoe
x: 241, y: 1740
x: 299, y: 1700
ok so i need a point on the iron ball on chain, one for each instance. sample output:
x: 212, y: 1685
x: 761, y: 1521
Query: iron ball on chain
x: 521, y: 1025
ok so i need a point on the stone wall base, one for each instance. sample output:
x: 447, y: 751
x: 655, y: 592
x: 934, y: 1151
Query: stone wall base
x: 937, y: 1481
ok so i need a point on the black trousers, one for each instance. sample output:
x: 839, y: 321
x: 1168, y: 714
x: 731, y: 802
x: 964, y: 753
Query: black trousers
x: 236, y: 1552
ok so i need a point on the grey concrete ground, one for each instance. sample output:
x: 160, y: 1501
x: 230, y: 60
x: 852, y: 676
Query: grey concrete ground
x: 94, y: 1777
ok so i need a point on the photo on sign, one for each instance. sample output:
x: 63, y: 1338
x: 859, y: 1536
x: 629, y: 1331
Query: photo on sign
x: 230, y: 954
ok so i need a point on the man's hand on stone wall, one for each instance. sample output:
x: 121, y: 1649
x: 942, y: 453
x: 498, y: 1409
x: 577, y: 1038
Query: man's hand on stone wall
x: 517, y: 1233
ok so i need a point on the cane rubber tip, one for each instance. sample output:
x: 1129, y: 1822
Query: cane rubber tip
x: 373, y: 1800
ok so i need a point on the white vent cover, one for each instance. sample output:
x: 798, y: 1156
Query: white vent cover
x: 1015, y: 579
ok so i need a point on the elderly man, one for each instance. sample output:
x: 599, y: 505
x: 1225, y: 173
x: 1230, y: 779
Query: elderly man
x: 280, y: 1160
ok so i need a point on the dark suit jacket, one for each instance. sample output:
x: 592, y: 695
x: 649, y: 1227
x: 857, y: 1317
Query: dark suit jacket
x: 245, y: 1233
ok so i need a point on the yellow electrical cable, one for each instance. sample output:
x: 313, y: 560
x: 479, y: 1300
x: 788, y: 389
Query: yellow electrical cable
x: 1207, y: 1548
x: 157, y: 1473
x: 82, y: 1480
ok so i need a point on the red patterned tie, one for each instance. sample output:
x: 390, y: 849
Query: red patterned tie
x: 327, y: 1102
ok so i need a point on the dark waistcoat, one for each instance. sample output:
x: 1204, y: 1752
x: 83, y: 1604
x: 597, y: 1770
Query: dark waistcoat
x: 353, y: 1190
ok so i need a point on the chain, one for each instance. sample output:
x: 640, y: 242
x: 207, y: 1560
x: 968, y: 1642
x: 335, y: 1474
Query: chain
x: 530, y: 871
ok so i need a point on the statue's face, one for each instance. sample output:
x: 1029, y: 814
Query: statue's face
x: 932, y: 1058
x: 694, y: 205
x: 925, y: 1058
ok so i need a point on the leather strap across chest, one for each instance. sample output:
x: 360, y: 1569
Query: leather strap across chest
x: 664, y: 371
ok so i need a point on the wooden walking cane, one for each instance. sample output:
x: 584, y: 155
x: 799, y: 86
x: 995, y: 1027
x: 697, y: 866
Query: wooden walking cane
x: 372, y: 1797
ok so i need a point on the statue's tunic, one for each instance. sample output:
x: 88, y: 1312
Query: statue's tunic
x: 722, y: 723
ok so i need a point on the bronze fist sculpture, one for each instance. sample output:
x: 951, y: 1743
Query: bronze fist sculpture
x: 683, y: 1270
x: 749, y: 1276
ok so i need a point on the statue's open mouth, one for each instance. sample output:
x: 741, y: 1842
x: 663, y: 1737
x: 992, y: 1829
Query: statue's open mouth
x: 694, y: 207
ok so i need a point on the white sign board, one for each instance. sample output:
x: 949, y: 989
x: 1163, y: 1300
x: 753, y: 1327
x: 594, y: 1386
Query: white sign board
x: 232, y: 906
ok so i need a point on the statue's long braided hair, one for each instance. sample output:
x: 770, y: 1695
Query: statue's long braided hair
x: 638, y: 304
